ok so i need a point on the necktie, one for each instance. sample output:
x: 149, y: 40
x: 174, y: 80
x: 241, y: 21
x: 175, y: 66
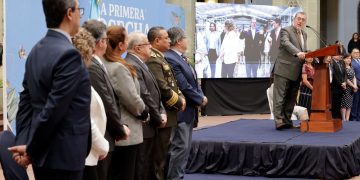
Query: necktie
x: 187, y: 62
x: 185, y: 58
x: 301, y: 39
x: 104, y: 68
x: 340, y: 66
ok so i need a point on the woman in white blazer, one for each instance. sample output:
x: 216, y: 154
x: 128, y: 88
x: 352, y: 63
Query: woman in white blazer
x: 85, y: 43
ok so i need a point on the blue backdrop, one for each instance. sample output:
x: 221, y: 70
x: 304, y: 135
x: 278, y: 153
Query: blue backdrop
x: 25, y: 25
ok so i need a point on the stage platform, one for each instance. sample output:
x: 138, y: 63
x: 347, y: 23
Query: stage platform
x: 255, y: 148
x: 231, y: 177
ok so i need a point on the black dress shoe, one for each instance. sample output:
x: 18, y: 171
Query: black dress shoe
x: 280, y: 126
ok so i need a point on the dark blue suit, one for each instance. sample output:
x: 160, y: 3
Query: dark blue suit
x: 187, y: 84
x: 54, y: 110
x: 355, y: 111
x: 181, y: 134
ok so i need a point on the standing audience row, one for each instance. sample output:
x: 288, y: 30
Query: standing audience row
x: 130, y: 118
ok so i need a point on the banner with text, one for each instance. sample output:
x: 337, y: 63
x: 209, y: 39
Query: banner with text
x: 25, y: 25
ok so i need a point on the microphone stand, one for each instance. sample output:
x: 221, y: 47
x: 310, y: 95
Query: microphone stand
x: 317, y: 35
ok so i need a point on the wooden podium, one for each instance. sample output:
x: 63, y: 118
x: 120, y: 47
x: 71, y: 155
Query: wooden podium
x: 321, y: 119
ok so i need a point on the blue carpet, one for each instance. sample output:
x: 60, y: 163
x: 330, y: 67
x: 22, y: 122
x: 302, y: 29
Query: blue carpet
x: 263, y: 131
x: 229, y: 177
x: 253, y: 148
x: 258, y: 131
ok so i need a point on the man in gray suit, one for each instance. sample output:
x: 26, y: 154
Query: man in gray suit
x: 287, y: 70
x: 115, y: 129
x: 138, y: 53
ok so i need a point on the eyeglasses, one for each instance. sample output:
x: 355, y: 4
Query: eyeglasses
x: 81, y: 10
x: 105, y: 39
x: 145, y: 44
x: 301, y: 19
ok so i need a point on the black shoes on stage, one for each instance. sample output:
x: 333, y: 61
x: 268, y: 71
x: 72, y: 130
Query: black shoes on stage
x: 281, y: 126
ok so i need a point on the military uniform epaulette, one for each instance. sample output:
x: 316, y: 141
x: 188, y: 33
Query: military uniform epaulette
x: 155, y: 55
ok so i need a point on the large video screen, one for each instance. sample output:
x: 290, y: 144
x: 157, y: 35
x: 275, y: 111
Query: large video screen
x: 238, y: 41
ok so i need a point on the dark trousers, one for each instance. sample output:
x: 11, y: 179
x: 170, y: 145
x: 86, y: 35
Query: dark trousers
x: 160, y: 150
x: 355, y: 111
x: 11, y: 169
x: 285, y: 93
x: 91, y: 173
x: 212, y: 55
x: 104, y: 166
x: 227, y: 70
x: 123, y: 162
x: 144, y: 159
x: 336, y: 95
x: 41, y: 173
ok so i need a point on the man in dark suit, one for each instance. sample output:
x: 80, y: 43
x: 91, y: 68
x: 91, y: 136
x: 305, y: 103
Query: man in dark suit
x: 338, y: 85
x: 53, y: 121
x: 355, y: 63
x: 115, y: 129
x: 138, y: 53
x: 187, y: 82
x: 253, y: 46
x: 275, y: 40
x: 171, y: 97
x: 287, y: 70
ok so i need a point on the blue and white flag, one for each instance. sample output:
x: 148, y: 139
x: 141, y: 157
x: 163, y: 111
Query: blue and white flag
x: 95, y: 9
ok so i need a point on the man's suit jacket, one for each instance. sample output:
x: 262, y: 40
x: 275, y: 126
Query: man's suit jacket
x: 54, y: 108
x: 150, y: 94
x: 339, y: 75
x: 287, y: 64
x: 275, y: 43
x: 101, y: 83
x: 186, y: 80
x: 253, y: 46
x: 356, y: 65
x: 127, y: 89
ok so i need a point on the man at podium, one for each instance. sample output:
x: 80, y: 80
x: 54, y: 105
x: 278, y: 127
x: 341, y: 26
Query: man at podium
x: 287, y: 70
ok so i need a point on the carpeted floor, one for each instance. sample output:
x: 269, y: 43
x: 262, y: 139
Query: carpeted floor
x: 254, y: 148
x: 229, y: 177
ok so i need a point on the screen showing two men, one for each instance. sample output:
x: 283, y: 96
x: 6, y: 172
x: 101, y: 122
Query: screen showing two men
x: 238, y: 41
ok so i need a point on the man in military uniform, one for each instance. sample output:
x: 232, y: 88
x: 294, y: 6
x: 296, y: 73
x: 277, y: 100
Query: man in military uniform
x: 171, y: 96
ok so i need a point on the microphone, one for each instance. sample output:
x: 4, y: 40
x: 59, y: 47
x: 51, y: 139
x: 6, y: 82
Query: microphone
x: 317, y: 35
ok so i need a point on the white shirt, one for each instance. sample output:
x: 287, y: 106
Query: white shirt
x: 229, y: 48
x: 213, y: 38
x: 253, y: 31
x: 100, y: 62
